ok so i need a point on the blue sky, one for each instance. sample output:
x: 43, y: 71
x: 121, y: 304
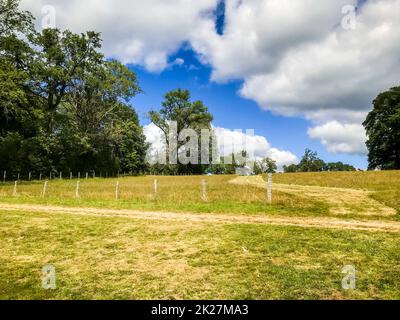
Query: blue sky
x: 229, y: 109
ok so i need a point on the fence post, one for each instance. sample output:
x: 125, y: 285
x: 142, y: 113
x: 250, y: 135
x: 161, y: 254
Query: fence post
x: 18, y: 176
x: 5, y: 175
x: 269, y: 188
x: 117, y: 191
x: 60, y: 175
x: 204, y: 190
x: 77, y: 195
x: 30, y: 176
x: 87, y: 175
x: 70, y: 175
x: 79, y: 175
x: 50, y: 176
x: 40, y: 177
x: 155, y: 187
x: 15, y: 189
x: 44, y: 188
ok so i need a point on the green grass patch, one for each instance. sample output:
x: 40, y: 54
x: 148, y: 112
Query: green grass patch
x: 119, y: 258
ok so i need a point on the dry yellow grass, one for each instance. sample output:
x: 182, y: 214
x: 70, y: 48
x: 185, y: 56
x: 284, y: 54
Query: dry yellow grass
x: 177, y: 246
x: 342, y: 201
x: 183, y: 193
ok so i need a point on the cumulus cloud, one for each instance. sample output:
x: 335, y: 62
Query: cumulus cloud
x: 258, y: 34
x: 229, y: 141
x: 155, y: 138
x: 342, y: 72
x: 341, y: 138
x: 296, y: 59
x: 134, y: 31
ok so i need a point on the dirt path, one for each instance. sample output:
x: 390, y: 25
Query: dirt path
x: 307, y: 222
x: 342, y: 201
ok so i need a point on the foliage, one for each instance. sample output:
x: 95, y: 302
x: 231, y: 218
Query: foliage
x: 64, y: 107
x: 178, y: 108
x: 383, y: 131
x: 310, y: 162
x: 266, y: 165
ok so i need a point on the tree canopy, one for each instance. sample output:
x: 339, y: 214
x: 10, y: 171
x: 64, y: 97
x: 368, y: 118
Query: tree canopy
x: 64, y: 107
x: 310, y: 162
x: 178, y: 107
x: 383, y: 131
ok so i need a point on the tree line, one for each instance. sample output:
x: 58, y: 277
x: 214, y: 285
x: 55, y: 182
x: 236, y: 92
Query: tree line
x: 310, y: 162
x: 64, y: 107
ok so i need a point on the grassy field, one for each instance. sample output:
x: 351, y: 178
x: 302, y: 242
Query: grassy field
x: 384, y: 184
x: 98, y: 255
x: 181, y: 194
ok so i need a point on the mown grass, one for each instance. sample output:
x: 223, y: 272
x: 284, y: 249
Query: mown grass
x: 385, y: 183
x: 120, y: 258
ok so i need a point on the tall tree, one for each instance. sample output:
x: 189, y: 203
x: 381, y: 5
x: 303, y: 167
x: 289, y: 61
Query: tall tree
x: 178, y: 107
x: 13, y: 20
x: 383, y: 131
x: 64, y: 57
x: 266, y: 165
x: 15, y: 27
x: 63, y: 106
x: 311, y: 162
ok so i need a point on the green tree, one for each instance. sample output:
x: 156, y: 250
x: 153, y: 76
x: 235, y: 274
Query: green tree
x: 383, y: 130
x: 310, y: 162
x: 338, y: 166
x: 63, y: 106
x: 63, y: 59
x: 15, y: 27
x: 291, y: 168
x: 266, y: 165
x: 178, y: 107
x: 13, y: 20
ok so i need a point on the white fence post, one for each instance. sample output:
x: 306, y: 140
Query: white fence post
x: 44, y: 188
x: 4, y: 176
x: 70, y: 175
x: 77, y: 195
x: 40, y: 177
x: 87, y: 175
x: 269, y: 188
x: 30, y: 176
x: 204, y: 190
x: 60, y: 175
x: 15, y: 189
x: 155, y: 187
x: 117, y: 191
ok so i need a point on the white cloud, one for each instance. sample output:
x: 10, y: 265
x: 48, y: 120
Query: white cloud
x: 229, y: 141
x: 297, y: 60
x: 155, y: 137
x: 134, y: 31
x: 282, y: 157
x: 342, y: 72
x: 234, y: 141
x: 258, y: 33
x: 341, y: 138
